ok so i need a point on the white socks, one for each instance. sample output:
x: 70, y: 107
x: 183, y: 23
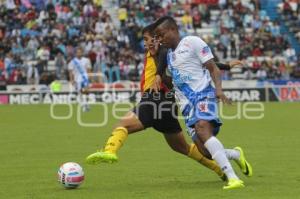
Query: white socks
x: 83, y: 103
x: 216, y: 149
x: 232, y: 154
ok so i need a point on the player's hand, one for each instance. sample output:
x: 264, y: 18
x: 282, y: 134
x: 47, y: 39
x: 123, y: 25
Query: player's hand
x: 222, y: 97
x: 235, y: 63
x: 156, y: 85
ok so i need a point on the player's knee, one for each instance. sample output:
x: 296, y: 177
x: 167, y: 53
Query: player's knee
x: 203, y: 130
x: 201, y: 126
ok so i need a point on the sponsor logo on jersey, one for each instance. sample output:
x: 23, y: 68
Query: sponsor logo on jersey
x: 179, y: 79
x: 182, y: 51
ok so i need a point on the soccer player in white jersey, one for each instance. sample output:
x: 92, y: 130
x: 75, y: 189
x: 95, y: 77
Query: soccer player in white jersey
x: 78, y: 68
x: 192, y: 68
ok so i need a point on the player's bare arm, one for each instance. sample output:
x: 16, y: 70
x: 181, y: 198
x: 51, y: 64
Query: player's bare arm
x: 231, y: 64
x: 235, y: 63
x: 216, y: 77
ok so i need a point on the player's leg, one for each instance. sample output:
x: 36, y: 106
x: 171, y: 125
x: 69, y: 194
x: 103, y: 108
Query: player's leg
x: 138, y: 119
x: 169, y: 125
x: 178, y: 143
x: 83, y: 102
x: 78, y: 88
x: 199, y: 144
x: 127, y: 125
x: 204, y: 130
x: 83, y: 89
x: 236, y: 154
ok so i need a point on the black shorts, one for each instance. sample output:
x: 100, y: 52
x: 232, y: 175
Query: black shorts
x: 158, y: 110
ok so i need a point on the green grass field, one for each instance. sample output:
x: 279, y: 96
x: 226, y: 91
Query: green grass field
x: 33, y: 146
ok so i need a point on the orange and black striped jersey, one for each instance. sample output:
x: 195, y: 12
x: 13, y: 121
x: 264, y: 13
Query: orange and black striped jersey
x: 149, y: 73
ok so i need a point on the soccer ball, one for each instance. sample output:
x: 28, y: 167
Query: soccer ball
x: 70, y: 175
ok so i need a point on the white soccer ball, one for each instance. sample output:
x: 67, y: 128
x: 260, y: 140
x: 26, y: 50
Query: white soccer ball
x: 70, y: 175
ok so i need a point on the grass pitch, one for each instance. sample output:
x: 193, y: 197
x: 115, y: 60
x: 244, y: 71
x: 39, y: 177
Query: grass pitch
x: 33, y: 146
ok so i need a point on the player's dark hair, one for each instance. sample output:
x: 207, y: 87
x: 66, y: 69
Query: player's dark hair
x: 170, y: 22
x: 149, y: 29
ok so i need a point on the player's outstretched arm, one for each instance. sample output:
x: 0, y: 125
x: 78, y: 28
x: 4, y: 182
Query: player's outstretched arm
x: 216, y: 77
x: 228, y: 66
x: 235, y: 63
x: 223, y: 66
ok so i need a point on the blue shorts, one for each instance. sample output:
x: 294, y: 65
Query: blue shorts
x: 203, y: 106
x: 82, y: 84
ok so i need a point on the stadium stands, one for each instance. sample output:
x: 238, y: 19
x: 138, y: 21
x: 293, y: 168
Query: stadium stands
x: 38, y: 38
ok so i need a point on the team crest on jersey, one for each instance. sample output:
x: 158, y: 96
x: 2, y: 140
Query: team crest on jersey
x: 203, y: 106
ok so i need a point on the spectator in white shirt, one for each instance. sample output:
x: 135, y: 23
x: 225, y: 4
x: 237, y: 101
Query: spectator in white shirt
x: 261, y: 74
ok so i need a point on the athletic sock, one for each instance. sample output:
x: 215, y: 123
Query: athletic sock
x: 195, y: 154
x: 83, y: 103
x: 216, y: 149
x: 232, y: 154
x: 116, y: 140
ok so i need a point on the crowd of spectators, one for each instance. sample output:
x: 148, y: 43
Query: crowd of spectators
x: 290, y: 10
x: 290, y: 14
x: 35, y: 33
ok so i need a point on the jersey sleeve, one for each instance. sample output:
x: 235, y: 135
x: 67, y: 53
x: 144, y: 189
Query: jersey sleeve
x: 201, y: 49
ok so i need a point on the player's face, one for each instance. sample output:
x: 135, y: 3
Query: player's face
x: 165, y: 36
x: 79, y: 53
x: 151, y: 44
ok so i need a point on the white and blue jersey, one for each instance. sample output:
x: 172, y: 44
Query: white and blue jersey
x: 79, y: 68
x: 192, y: 81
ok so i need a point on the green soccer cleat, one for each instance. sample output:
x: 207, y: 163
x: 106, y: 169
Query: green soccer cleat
x: 234, y: 184
x: 99, y: 157
x: 243, y: 164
